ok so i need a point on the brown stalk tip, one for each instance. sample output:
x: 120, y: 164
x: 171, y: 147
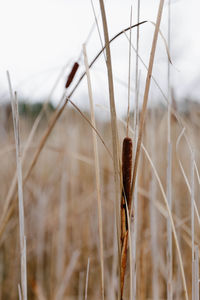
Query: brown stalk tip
x: 127, y: 168
x: 72, y: 74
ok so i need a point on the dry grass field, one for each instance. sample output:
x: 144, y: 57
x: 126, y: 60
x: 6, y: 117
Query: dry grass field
x: 61, y: 211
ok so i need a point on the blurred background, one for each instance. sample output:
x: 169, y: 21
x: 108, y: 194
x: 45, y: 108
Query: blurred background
x: 39, y: 38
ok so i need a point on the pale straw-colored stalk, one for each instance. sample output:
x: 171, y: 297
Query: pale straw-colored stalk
x: 192, y: 195
x: 196, y: 272
x: 154, y: 241
x: 19, y: 292
x: 15, y: 114
x: 87, y: 279
x: 136, y: 115
x: 154, y: 221
x: 129, y: 76
x: 62, y: 222
x: 146, y: 92
x: 169, y: 169
x: 97, y: 170
x: 135, y: 137
x: 115, y: 142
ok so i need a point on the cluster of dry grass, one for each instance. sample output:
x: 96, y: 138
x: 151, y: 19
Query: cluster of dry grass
x: 61, y: 212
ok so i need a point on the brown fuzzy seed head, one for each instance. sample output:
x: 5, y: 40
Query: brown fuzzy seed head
x: 127, y: 168
x: 72, y: 74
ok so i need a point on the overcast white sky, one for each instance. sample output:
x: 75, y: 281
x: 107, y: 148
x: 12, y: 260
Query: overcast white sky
x: 39, y: 37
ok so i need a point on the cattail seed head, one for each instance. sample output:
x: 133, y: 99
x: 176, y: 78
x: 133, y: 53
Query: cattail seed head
x: 72, y: 74
x: 127, y: 168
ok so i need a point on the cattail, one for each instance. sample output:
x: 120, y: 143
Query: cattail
x: 127, y: 169
x: 126, y: 190
x: 125, y: 203
x: 72, y: 74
